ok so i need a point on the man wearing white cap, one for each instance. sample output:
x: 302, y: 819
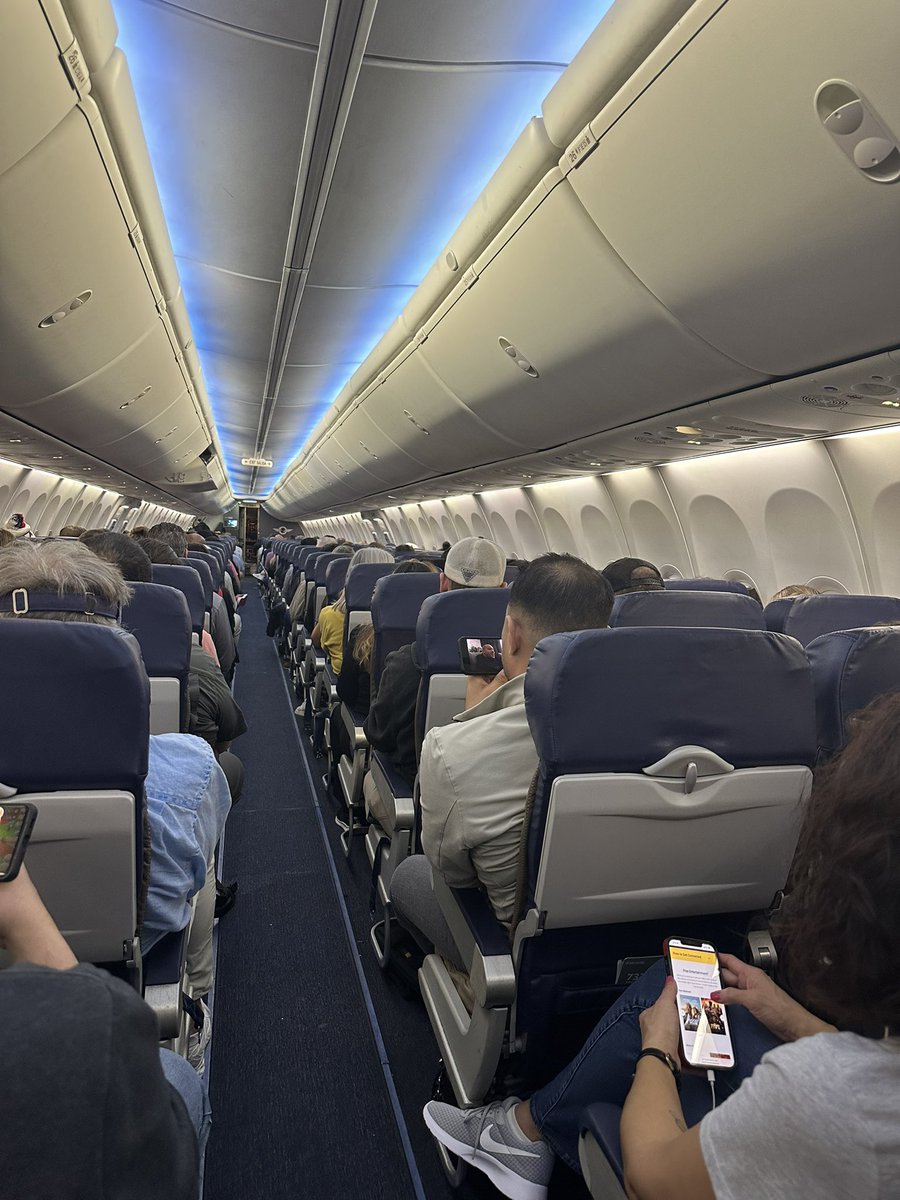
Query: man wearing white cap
x: 390, y: 726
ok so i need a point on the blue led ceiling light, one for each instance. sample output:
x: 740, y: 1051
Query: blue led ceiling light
x: 473, y: 155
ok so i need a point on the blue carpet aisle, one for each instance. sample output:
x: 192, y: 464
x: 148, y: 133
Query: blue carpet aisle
x: 301, y: 1106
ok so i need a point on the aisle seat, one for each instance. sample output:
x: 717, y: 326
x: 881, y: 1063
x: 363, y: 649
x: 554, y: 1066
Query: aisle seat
x: 75, y: 711
x: 443, y: 619
x: 850, y: 669
x: 674, y: 766
x: 159, y: 618
x: 686, y: 609
x: 190, y: 583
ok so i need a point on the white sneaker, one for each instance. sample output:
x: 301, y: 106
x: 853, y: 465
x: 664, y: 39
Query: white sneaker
x: 199, y: 1040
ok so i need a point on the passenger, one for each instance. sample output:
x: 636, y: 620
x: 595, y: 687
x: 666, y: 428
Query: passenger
x: 390, y: 726
x: 807, y: 1110
x: 215, y: 714
x: 17, y: 526
x: 91, y: 1106
x: 139, y: 531
x: 187, y: 795
x: 354, y: 684
x: 328, y: 633
x: 173, y: 535
x: 475, y: 774
x: 633, y: 575
x: 793, y: 590
x: 71, y: 531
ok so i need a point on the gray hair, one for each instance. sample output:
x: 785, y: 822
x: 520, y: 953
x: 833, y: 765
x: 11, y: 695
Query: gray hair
x: 173, y: 535
x: 368, y: 554
x: 65, y: 568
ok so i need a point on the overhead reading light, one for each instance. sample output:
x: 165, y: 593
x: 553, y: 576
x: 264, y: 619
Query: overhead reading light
x: 63, y: 311
x: 412, y: 420
x: 520, y: 360
x: 687, y: 429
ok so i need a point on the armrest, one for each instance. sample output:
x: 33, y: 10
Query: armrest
x: 395, y: 792
x: 163, y: 979
x: 482, y: 941
x: 601, y: 1122
x: 353, y: 723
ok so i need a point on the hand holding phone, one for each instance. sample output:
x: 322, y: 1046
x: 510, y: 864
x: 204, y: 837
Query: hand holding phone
x: 705, y: 1036
x: 16, y: 823
x: 480, y: 656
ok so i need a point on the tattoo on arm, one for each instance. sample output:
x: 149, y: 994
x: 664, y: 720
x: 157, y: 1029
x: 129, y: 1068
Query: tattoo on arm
x: 678, y: 1121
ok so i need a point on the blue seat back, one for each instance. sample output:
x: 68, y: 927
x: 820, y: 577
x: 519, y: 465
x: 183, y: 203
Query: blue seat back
x: 396, y: 603
x: 689, y: 609
x: 360, y: 585
x: 810, y: 617
x: 212, y: 561
x: 201, y: 568
x: 74, y: 710
x: 159, y: 618
x: 189, y: 582
x: 776, y: 613
x: 443, y: 620
x: 707, y: 585
x: 322, y: 564
x: 619, y: 702
x: 335, y: 575
x: 850, y: 669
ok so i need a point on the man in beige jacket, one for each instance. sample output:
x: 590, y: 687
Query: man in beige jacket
x: 474, y: 774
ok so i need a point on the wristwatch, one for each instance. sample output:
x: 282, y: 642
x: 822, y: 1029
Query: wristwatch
x: 664, y: 1057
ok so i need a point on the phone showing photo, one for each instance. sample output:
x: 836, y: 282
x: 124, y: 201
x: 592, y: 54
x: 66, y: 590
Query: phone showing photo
x: 705, y: 1036
x: 16, y: 824
x: 480, y: 656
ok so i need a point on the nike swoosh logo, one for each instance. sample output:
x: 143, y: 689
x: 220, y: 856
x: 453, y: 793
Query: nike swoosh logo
x: 488, y: 1142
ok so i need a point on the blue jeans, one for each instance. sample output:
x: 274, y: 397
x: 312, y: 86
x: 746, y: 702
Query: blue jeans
x: 603, y: 1069
x: 192, y: 1090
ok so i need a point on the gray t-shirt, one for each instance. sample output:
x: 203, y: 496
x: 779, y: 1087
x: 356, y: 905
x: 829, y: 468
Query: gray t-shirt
x: 817, y: 1118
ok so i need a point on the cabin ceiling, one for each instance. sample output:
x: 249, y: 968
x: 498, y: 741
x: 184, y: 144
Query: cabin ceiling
x: 312, y: 158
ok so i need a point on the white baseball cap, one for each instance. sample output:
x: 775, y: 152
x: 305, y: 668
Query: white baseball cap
x: 475, y: 562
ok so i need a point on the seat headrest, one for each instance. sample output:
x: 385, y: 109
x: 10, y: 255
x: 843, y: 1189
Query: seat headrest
x: 776, y: 613
x: 321, y: 566
x: 687, y: 609
x: 159, y: 618
x: 202, y: 568
x: 850, y: 669
x: 335, y: 575
x: 812, y: 616
x: 74, y: 707
x: 707, y: 585
x: 622, y: 699
x: 190, y: 584
x: 445, y: 618
x: 361, y: 584
x: 398, y: 599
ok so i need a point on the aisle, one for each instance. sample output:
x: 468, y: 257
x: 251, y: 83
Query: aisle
x: 300, y: 1103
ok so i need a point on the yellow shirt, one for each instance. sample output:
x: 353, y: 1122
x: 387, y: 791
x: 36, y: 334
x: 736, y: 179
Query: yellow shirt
x: 331, y: 631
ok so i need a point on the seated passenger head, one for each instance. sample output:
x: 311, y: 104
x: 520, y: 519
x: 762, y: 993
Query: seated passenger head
x: 203, y: 529
x: 17, y: 526
x: 556, y: 593
x: 847, y: 891
x: 139, y: 531
x: 414, y: 566
x: 793, y: 590
x: 122, y: 551
x: 473, y: 562
x: 72, y: 531
x: 172, y: 535
x: 62, y: 569
x: 633, y: 575
x: 325, y: 542
x: 159, y: 552
x: 404, y: 548
x: 368, y: 554
x: 195, y: 539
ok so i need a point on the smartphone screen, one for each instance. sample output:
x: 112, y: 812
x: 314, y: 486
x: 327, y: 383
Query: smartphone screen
x: 705, y: 1038
x: 480, y: 656
x: 16, y: 821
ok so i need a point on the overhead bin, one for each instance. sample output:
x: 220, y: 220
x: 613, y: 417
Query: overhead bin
x: 725, y: 189
x: 93, y: 24
x: 65, y: 260
x: 35, y: 94
x: 557, y: 339
x: 629, y: 31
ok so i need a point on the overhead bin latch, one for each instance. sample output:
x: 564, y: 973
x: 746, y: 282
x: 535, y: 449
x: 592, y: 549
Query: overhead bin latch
x: 578, y: 150
x: 858, y: 132
x: 75, y: 67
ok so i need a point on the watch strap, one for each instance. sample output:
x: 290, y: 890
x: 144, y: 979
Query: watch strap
x: 667, y: 1059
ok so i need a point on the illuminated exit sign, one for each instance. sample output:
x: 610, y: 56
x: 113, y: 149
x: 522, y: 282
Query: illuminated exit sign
x: 256, y: 462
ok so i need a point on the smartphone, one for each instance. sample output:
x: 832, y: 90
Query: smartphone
x: 480, y: 656
x: 16, y: 824
x: 705, y: 1036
